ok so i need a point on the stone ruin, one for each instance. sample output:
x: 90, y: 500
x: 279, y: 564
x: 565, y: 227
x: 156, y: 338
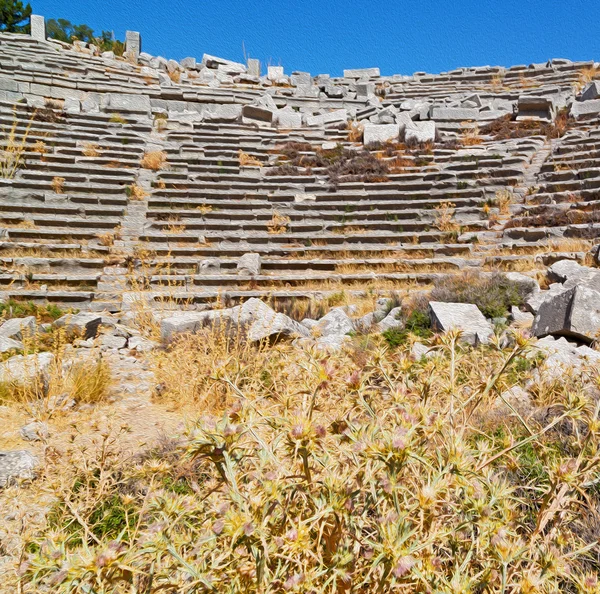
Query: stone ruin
x: 263, y: 186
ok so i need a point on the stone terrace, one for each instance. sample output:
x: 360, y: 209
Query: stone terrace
x: 486, y: 168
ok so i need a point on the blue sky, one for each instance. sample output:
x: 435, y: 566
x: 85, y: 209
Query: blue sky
x: 399, y: 36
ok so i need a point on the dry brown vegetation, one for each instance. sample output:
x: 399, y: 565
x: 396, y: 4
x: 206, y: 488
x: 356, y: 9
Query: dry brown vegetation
x: 247, y: 160
x: 136, y: 192
x: 154, y: 160
x: 360, y: 472
x: 58, y: 184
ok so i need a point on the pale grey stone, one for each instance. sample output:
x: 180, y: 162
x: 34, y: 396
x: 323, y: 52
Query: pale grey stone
x: 215, y: 62
x: 72, y: 105
x: 454, y: 114
x: 336, y: 321
x: 135, y: 103
x: 362, y: 73
x: 38, y: 27
x: 521, y: 317
x: 84, y: 324
x: 133, y: 44
x: 465, y: 317
x: 274, y: 73
x: 591, y: 91
x: 264, y: 323
x: 260, y: 114
x: 249, y: 264
x: 393, y: 320
x: 380, y: 133
x: 17, y: 328
x: 419, y: 351
x: 35, y: 431
x: 573, y: 313
x: 289, y: 119
x: 419, y: 132
x: 22, y: 369
x: 225, y: 113
x: 210, y: 266
x: 583, y: 108
x: 188, y: 63
x: 564, y: 357
x: 17, y: 465
x: 305, y: 198
x: 111, y: 342
x: 8, y: 344
x: 254, y: 67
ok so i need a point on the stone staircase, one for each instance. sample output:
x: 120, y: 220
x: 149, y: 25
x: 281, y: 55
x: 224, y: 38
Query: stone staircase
x: 83, y: 221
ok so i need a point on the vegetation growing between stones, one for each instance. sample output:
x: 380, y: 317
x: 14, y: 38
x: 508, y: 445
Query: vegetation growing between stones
x: 493, y: 294
x: 361, y: 472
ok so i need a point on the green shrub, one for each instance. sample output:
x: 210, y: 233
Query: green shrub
x: 493, y: 294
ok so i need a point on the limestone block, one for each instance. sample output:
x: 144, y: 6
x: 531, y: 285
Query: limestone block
x: 249, y: 264
x: 337, y: 321
x: 380, y: 133
x: 133, y: 44
x: 17, y: 464
x: 362, y: 73
x: 573, y: 313
x: 254, y: 67
x: 465, y: 317
x: 38, y: 27
x: 420, y: 132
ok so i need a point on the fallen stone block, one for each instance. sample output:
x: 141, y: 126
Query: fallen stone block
x: 564, y: 357
x: 17, y: 328
x: 288, y: 118
x: 214, y: 62
x: 465, y: 317
x: 419, y: 132
x: 572, y: 313
x: 84, y: 324
x: 380, y: 133
x: 8, y: 344
x: 34, y: 431
x: 337, y: 321
x: 264, y: 323
x: 249, y: 264
x: 393, y: 320
x: 454, y: 114
x: 591, y: 91
x: 23, y: 369
x: 584, y: 108
x: 261, y: 114
x: 17, y: 465
x: 274, y: 73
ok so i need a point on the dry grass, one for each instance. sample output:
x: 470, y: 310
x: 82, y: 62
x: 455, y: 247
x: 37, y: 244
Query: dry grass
x: 154, y: 160
x: 586, y: 76
x: 278, y: 224
x: 444, y: 218
x: 247, y: 160
x: 470, y: 136
x: 355, y: 131
x: 136, y: 192
x: 13, y: 146
x: 90, y: 149
x: 40, y: 147
x: 503, y: 200
x: 360, y: 472
x: 58, y: 184
x: 175, y: 76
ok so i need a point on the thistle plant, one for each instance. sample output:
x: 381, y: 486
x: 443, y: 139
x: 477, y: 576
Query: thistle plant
x: 360, y: 472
